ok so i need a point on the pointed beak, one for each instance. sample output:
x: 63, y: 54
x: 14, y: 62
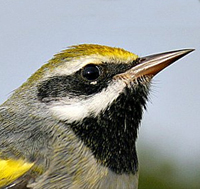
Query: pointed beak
x: 151, y: 65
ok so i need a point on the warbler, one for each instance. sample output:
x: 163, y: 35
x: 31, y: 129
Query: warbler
x: 74, y: 123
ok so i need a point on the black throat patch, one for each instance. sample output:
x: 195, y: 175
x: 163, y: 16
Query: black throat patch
x: 111, y: 135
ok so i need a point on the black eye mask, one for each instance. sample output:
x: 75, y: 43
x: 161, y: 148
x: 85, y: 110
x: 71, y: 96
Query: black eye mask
x: 87, y: 81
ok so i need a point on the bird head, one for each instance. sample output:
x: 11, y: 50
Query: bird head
x: 99, y: 93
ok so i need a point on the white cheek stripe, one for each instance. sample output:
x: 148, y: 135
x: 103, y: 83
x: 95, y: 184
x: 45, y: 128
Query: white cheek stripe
x: 91, y: 106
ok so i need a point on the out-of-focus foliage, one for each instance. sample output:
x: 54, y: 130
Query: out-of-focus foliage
x: 159, y: 173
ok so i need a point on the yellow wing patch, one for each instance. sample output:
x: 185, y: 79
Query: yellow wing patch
x: 12, y: 169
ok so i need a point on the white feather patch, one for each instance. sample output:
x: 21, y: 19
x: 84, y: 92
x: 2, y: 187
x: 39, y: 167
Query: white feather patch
x: 78, y: 109
x: 72, y: 66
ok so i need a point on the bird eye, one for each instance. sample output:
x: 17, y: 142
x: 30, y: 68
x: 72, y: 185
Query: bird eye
x: 91, y: 72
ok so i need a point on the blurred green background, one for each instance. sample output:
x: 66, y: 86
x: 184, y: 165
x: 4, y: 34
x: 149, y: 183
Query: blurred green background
x: 157, y: 172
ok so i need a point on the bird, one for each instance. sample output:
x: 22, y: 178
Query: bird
x: 74, y: 123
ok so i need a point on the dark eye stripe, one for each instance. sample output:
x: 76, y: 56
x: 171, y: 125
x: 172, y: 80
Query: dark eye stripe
x: 73, y: 85
x: 80, y: 83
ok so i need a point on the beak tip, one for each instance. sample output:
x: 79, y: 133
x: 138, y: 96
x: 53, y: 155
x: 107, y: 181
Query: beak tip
x: 186, y: 51
x: 180, y: 53
x: 153, y: 64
